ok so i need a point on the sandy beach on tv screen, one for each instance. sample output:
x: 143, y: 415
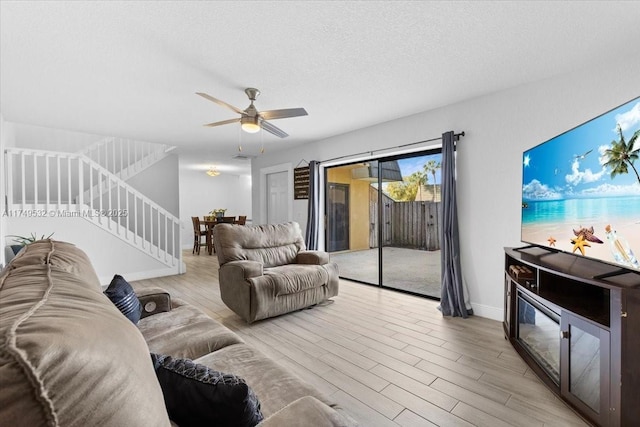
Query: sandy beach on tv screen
x: 563, y: 234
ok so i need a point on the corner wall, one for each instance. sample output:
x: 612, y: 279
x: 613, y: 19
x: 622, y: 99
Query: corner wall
x: 499, y: 127
x: 160, y: 183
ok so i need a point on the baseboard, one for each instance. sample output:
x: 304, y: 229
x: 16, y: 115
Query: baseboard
x: 488, y: 312
x: 141, y: 275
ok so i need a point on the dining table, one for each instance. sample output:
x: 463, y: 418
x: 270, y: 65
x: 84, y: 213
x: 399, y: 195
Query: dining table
x: 209, y: 224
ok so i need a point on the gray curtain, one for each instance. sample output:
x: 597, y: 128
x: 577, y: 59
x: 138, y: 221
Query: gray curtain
x: 313, y: 221
x: 452, y: 300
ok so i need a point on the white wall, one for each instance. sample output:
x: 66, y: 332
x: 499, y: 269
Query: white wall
x: 160, y: 183
x: 108, y: 254
x: 499, y: 127
x: 200, y: 194
x: 6, y: 140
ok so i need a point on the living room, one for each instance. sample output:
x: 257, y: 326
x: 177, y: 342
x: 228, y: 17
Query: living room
x: 551, y: 92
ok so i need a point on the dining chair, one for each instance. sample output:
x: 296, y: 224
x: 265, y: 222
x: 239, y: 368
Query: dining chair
x: 242, y: 220
x: 198, y: 232
x: 228, y: 219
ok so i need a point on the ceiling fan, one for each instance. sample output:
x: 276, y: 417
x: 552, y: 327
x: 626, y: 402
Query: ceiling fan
x: 253, y: 120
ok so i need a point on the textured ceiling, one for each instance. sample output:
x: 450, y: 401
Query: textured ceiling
x: 131, y: 68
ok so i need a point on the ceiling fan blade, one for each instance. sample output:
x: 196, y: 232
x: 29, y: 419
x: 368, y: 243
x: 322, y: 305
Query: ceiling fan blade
x: 283, y: 114
x: 273, y: 129
x: 224, y: 122
x: 219, y: 102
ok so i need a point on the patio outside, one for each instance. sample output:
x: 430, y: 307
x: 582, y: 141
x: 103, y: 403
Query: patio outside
x: 408, y: 209
x: 408, y: 269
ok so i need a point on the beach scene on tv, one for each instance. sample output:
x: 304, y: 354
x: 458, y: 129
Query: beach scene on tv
x: 581, y: 189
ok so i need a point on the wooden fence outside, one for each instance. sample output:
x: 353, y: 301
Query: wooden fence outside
x: 406, y: 224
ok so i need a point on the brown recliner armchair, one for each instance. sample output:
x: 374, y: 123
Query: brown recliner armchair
x: 265, y: 270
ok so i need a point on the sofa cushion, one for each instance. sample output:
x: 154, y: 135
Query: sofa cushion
x: 270, y: 244
x: 313, y: 257
x: 124, y: 298
x: 294, y: 278
x: 65, y: 349
x: 63, y: 256
x: 307, y: 411
x: 275, y: 386
x: 185, y: 332
x: 197, y: 396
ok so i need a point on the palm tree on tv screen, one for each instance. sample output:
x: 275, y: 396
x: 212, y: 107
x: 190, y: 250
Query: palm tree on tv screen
x: 622, y: 154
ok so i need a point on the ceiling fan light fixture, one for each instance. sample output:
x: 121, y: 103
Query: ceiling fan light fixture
x: 250, y: 124
x: 253, y: 121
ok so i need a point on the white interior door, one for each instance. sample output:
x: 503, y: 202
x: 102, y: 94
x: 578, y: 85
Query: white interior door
x: 277, y: 197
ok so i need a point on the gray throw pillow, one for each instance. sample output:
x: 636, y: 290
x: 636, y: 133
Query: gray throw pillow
x: 124, y: 297
x: 196, y: 395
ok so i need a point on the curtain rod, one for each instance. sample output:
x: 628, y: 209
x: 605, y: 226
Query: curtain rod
x: 456, y: 137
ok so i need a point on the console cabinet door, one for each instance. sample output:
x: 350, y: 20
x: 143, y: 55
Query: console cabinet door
x: 508, y: 289
x: 584, y: 366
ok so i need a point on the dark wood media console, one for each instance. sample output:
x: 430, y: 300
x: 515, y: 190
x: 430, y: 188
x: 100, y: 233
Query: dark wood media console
x: 576, y: 323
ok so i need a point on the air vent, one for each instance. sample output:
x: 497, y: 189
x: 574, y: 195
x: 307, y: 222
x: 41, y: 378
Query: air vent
x: 360, y: 173
x: 243, y: 157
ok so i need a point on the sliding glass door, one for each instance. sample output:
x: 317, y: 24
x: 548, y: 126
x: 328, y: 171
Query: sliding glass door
x: 391, y: 213
x: 349, y: 201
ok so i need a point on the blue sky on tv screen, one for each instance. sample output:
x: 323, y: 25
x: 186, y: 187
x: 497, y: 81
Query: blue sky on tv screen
x: 571, y: 165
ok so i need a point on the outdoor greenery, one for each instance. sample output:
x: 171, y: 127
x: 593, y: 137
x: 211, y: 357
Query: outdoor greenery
x: 406, y: 190
x: 431, y: 167
x: 411, y: 186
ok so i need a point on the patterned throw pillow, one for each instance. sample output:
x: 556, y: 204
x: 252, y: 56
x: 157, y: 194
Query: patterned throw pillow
x: 196, y: 395
x: 124, y: 297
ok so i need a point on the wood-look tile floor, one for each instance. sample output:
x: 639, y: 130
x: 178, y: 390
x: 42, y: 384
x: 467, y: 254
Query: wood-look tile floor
x: 389, y: 358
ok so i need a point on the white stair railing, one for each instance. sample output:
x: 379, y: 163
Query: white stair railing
x: 125, y: 157
x: 53, y: 184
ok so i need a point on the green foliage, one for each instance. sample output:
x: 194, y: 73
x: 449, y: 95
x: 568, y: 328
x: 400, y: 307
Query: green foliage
x: 21, y: 240
x: 431, y: 167
x: 406, y: 190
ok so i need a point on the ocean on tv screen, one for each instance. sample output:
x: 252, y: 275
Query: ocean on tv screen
x: 581, y: 189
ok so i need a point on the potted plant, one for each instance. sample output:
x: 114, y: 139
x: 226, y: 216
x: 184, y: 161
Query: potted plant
x: 24, y: 241
x: 218, y: 213
x: 21, y: 241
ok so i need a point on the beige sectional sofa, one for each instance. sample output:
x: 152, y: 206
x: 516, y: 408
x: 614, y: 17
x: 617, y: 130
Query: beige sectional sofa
x: 265, y: 270
x: 68, y: 357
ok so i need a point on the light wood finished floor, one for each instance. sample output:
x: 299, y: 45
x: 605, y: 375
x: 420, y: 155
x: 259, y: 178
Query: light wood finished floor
x: 388, y: 358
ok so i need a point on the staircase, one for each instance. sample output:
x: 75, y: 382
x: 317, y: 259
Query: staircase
x: 125, y: 157
x: 48, y: 183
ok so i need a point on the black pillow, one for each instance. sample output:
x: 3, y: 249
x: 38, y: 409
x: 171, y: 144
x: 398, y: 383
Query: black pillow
x: 124, y: 297
x: 196, y: 395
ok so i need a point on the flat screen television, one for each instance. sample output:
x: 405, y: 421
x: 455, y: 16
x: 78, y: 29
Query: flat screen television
x: 581, y: 189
